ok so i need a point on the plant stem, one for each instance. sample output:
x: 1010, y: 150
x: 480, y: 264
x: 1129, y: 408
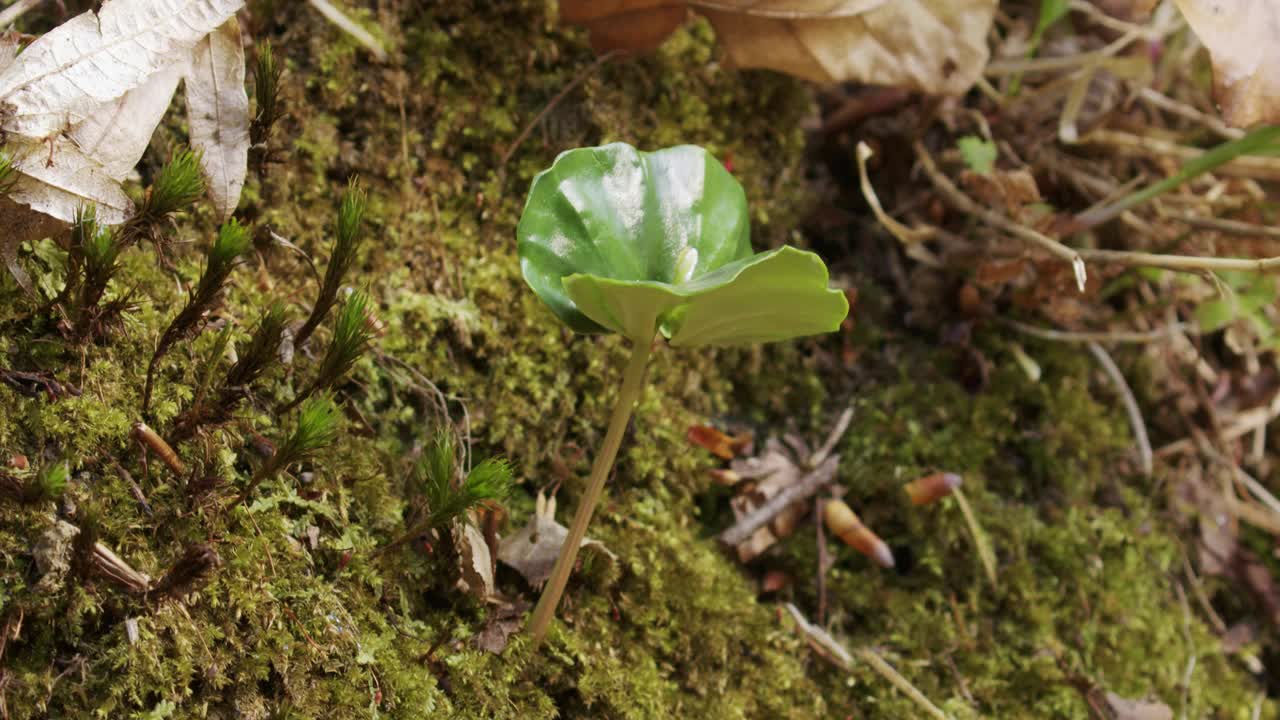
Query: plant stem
x: 632, y: 384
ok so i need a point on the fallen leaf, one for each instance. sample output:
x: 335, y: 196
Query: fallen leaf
x: 1125, y: 709
x: 1240, y: 37
x: 218, y: 107
x: 502, y: 623
x: 936, y: 46
x: 533, y: 550
x: 118, y: 134
x: 625, y: 24
x: 723, y: 446
x: 85, y: 64
x: 474, y: 562
x: 61, y: 180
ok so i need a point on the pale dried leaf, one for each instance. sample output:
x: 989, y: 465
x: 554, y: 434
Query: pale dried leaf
x: 8, y: 50
x: 1125, y: 709
x: 219, y: 114
x: 936, y: 46
x: 22, y: 224
x: 474, y: 561
x: 1241, y: 38
x: 61, y: 180
x: 533, y: 550
x: 119, y: 133
x: 93, y: 59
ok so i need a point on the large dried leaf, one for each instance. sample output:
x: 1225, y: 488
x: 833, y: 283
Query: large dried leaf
x: 219, y: 113
x: 118, y: 134
x: 937, y: 46
x: 93, y: 59
x: 59, y: 180
x: 1241, y: 38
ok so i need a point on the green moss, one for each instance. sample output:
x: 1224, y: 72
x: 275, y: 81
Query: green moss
x: 286, y: 628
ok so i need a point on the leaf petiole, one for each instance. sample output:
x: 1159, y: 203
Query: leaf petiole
x: 632, y: 384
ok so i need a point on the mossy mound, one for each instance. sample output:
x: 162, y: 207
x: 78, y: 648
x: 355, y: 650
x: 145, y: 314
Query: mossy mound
x: 302, y: 620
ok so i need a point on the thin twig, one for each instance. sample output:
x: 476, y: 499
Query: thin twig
x: 1200, y: 118
x: 1136, y: 422
x: 1234, y: 227
x: 11, y: 14
x: 985, y: 553
x: 802, y: 490
x: 965, y: 204
x: 1259, y: 167
x: 564, y: 92
x: 1117, y: 336
x: 351, y: 27
x: 887, y: 671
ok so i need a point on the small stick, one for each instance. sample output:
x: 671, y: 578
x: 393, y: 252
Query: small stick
x: 1116, y: 336
x: 886, y: 671
x: 11, y: 14
x: 1184, y: 263
x: 979, y: 539
x: 802, y: 490
x: 833, y: 651
x: 148, y: 438
x: 1130, y: 405
x: 965, y: 204
x: 351, y: 27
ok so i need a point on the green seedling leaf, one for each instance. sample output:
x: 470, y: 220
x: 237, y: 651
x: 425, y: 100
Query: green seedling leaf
x: 618, y: 240
x: 978, y: 154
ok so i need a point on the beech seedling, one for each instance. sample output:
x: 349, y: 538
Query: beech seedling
x: 643, y: 244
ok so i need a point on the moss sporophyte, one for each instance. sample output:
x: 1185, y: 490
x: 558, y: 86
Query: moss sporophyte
x: 615, y: 240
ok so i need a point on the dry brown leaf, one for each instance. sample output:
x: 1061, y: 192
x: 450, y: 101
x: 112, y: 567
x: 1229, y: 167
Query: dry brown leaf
x: 936, y: 46
x: 1241, y: 38
x: 219, y: 114
x: 503, y: 621
x: 474, y: 561
x: 533, y: 550
x: 88, y: 62
x: 625, y: 24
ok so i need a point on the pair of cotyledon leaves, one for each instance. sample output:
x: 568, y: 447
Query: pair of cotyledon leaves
x: 618, y: 240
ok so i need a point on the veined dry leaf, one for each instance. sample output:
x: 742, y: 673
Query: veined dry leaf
x: 60, y: 180
x: 1241, y: 38
x: 118, y: 134
x: 91, y: 60
x: 936, y: 46
x: 219, y: 113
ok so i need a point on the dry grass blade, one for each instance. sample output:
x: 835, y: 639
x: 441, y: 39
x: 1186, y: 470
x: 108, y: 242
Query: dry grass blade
x: 1130, y: 405
x: 351, y: 27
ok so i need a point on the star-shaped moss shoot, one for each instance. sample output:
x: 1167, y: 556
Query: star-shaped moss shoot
x: 617, y: 240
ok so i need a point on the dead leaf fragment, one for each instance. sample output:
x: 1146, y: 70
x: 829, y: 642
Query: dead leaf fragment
x: 723, y: 446
x: 936, y: 46
x: 533, y: 550
x: 60, y: 181
x: 1125, y: 709
x: 1240, y: 36
x: 74, y: 70
x: 218, y: 107
x: 119, y: 133
x: 503, y: 622
x: 474, y: 562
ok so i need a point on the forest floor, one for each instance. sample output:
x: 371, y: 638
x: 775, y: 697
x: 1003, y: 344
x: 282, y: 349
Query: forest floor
x: 1110, y: 586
